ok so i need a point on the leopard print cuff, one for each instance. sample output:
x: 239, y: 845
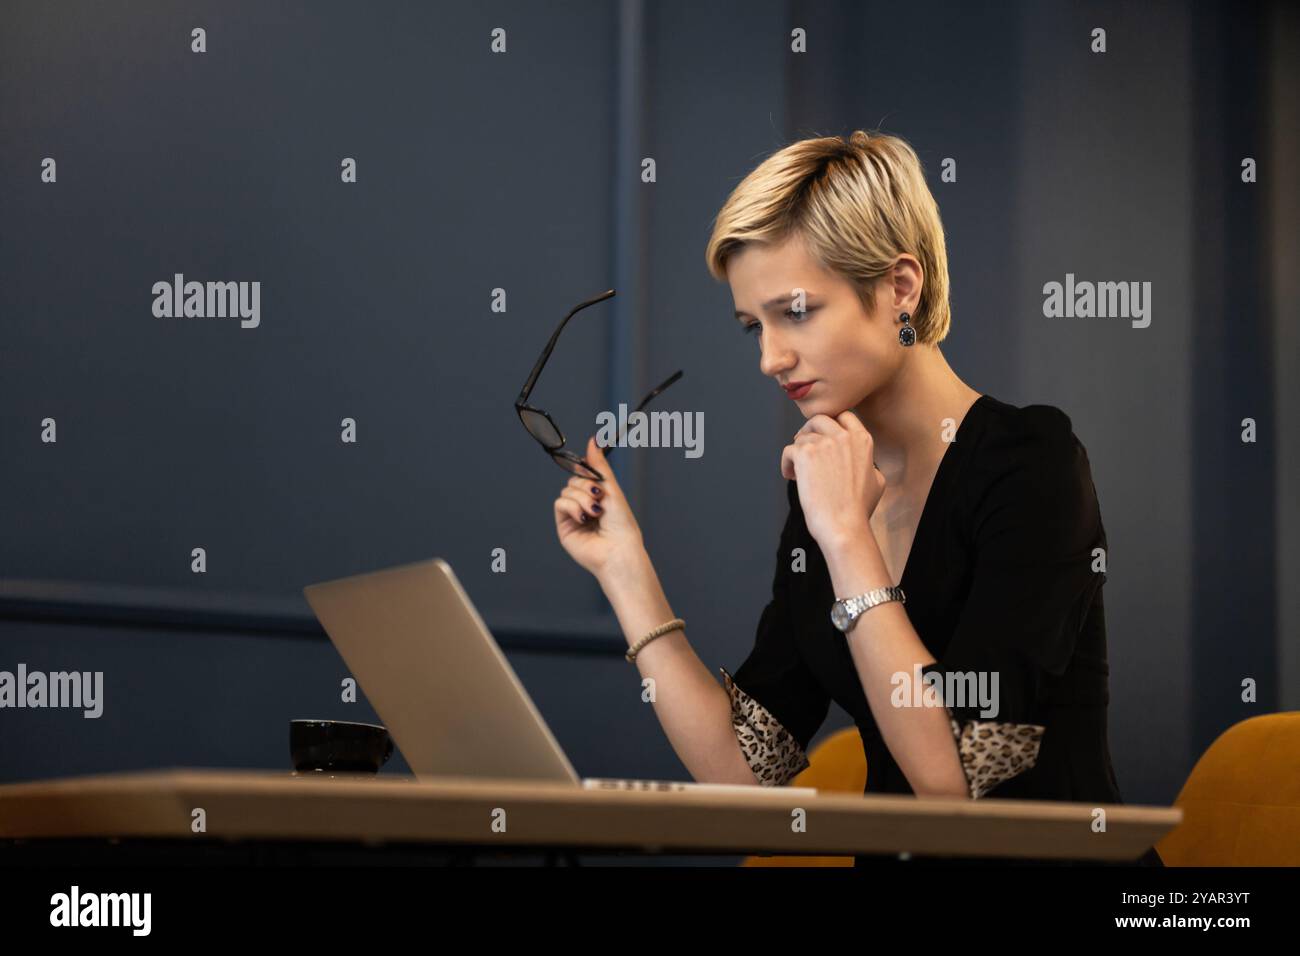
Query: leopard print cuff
x: 770, y: 750
x: 992, y: 753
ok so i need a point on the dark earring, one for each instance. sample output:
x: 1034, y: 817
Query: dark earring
x: 907, y: 334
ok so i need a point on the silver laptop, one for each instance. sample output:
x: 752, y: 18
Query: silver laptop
x: 451, y: 701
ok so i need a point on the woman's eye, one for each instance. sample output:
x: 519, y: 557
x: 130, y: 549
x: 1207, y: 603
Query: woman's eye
x: 791, y: 314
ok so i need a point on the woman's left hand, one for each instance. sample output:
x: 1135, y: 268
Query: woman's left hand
x: 832, y: 460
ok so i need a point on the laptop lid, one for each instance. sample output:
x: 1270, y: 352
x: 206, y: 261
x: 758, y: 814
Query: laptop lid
x: 435, y: 675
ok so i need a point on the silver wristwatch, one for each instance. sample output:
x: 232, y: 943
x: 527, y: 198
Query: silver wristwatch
x: 845, y: 613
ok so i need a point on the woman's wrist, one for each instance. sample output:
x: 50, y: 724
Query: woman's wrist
x: 626, y: 569
x: 856, y: 565
x: 633, y: 590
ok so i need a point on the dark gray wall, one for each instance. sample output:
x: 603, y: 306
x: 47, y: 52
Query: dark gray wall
x: 1283, y: 251
x: 521, y: 171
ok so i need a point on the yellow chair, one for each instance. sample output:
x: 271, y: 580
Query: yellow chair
x: 1241, y: 804
x: 838, y: 764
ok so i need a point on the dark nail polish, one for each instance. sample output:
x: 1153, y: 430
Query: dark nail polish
x: 597, y: 508
x: 595, y: 490
x: 583, y: 519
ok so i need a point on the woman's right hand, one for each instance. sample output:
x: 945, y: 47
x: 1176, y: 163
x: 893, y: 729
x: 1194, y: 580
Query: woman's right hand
x: 594, y: 521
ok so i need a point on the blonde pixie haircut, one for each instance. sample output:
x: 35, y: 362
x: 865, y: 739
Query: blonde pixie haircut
x: 857, y: 203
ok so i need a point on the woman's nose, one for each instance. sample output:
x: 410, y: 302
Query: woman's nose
x: 774, y: 358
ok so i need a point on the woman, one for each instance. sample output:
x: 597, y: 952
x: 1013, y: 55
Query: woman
x: 975, y: 662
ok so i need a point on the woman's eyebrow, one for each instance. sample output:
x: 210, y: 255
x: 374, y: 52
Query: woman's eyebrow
x: 772, y: 303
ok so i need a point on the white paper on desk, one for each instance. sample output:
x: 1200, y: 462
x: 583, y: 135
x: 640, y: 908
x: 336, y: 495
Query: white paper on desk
x: 684, y: 786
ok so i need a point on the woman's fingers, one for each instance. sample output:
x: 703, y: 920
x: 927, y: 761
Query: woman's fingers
x: 584, y: 500
x: 588, y: 486
x: 570, y: 509
x: 596, y: 455
x: 787, y: 462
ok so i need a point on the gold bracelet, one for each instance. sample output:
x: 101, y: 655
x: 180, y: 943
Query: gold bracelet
x: 676, y: 624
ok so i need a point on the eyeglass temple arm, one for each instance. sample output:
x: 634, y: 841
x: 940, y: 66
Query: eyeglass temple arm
x: 645, y: 401
x: 659, y: 388
x: 546, y: 352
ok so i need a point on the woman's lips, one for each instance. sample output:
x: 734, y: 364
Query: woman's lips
x: 798, y: 390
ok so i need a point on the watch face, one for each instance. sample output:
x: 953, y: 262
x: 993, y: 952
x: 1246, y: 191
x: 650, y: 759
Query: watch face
x: 840, y: 615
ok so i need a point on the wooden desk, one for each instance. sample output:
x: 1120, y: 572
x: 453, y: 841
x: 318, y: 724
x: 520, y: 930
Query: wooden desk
x: 270, y: 805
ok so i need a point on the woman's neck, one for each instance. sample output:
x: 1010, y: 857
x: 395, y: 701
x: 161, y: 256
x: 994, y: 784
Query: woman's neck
x: 906, y: 416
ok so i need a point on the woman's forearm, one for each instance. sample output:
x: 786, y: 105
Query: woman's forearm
x: 693, y: 708
x: 884, y: 643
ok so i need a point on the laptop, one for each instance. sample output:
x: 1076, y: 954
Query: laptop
x: 437, y: 678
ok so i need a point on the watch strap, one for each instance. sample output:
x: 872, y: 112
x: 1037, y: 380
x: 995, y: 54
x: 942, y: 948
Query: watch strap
x: 854, y: 607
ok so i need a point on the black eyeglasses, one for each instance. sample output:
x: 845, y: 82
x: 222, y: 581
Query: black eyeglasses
x: 540, y: 425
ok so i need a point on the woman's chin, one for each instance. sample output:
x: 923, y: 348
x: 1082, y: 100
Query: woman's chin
x: 814, y: 406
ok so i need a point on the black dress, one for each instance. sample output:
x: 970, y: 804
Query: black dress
x: 1003, y: 576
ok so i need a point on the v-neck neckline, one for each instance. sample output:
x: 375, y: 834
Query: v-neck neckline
x: 940, y: 473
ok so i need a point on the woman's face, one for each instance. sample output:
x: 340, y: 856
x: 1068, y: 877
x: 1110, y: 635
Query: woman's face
x: 843, y: 349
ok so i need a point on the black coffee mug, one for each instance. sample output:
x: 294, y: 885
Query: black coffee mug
x: 338, y: 746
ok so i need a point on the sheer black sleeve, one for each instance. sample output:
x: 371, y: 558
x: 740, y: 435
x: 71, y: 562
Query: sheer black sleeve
x: 777, y: 704
x: 1036, y: 523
